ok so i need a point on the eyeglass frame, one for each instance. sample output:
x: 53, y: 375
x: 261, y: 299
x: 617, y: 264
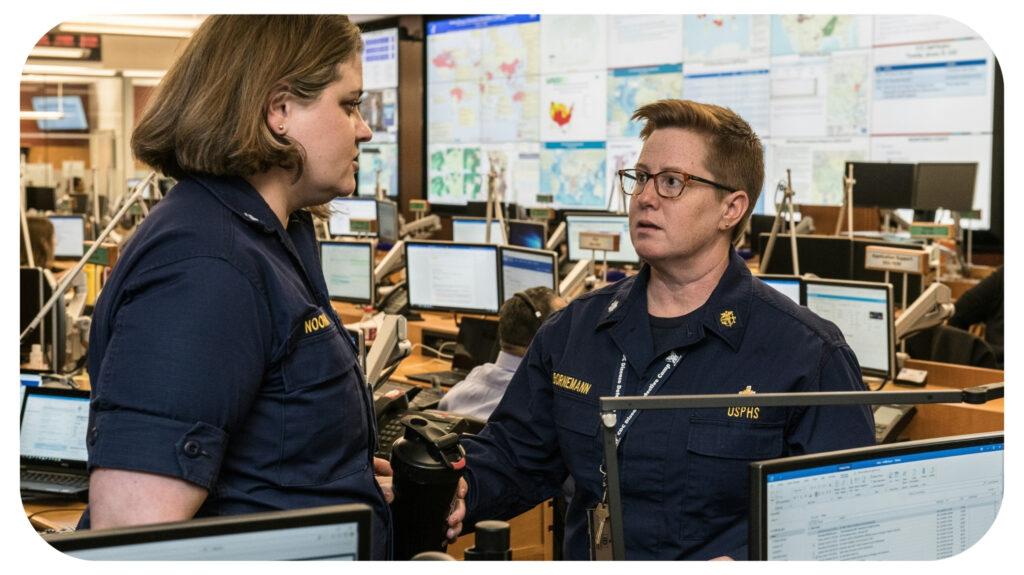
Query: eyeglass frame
x: 653, y: 177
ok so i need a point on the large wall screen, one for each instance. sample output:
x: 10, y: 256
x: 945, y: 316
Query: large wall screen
x: 544, y: 101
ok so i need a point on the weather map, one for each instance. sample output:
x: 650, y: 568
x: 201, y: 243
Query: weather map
x: 574, y: 107
x: 630, y: 88
x: 510, y: 110
x: 454, y: 174
x: 796, y: 33
x: 720, y: 36
x: 573, y: 172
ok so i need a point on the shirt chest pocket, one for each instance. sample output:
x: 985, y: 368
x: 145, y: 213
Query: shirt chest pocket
x: 326, y: 430
x: 716, y: 470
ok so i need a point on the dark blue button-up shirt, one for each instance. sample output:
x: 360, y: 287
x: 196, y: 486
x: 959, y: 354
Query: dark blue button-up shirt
x: 215, y: 357
x: 684, y: 472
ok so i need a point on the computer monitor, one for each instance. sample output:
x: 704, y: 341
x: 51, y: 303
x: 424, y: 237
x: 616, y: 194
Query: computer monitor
x: 600, y: 222
x: 823, y: 256
x: 789, y: 286
x: 348, y: 270
x: 344, y: 210
x: 74, y: 118
x: 882, y: 185
x: 945, y: 185
x: 449, y: 276
x: 36, y: 288
x: 40, y: 198
x: 467, y: 230
x: 527, y: 234
x: 70, y: 237
x: 916, y: 500
x: 863, y: 311
x: 524, y: 268
x: 388, y: 227
x: 336, y: 532
x: 476, y: 343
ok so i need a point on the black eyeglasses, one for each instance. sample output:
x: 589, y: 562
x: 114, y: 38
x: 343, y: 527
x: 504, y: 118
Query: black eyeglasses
x: 668, y: 184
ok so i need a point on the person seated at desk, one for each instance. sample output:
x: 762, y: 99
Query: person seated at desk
x: 43, y: 238
x: 983, y: 304
x: 519, y: 319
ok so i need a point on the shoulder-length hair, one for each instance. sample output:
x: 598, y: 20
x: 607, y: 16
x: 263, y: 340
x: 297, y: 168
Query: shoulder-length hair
x: 209, y: 114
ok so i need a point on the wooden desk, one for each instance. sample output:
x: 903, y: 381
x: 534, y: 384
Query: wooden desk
x: 946, y: 419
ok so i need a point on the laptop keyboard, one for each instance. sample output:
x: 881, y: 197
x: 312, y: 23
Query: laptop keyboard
x: 62, y: 479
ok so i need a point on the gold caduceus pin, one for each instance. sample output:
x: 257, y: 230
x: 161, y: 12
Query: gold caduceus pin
x: 728, y: 319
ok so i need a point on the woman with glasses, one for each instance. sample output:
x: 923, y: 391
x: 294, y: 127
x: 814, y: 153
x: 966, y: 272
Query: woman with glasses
x: 692, y: 321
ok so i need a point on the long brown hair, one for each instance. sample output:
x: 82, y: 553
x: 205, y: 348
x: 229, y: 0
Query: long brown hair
x: 209, y: 113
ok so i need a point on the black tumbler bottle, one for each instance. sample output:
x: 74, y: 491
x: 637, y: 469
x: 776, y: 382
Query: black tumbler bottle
x: 427, y: 462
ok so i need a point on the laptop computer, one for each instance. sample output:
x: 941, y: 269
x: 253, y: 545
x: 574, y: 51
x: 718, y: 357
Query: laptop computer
x: 475, y: 344
x: 53, y: 431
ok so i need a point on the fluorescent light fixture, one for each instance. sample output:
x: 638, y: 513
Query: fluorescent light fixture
x: 139, y: 25
x: 59, y: 52
x: 45, y: 70
x: 157, y: 74
x: 33, y: 115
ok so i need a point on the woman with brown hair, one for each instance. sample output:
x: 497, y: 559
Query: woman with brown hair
x: 222, y: 382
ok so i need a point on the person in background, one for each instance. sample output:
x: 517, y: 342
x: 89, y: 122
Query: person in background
x: 518, y: 320
x: 43, y: 238
x: 222, y: 382
x: 692, y: 321
x: 983, y: 304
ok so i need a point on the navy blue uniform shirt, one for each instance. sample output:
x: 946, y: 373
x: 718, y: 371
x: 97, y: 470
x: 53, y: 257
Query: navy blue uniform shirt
x: 215, y: 357
x: 684, y: 472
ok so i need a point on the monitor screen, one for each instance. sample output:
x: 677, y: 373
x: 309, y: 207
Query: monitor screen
x: 917, y: 500
x: 344, y: 210
x: 54, y: 425
x: 348, y: 270
x: 527, y: 234
x: 524, y: 268
x: 863, y: 312
x: 882, y: 185
x: 41, y: 198
x: 789, y: 286
x: 447, y: 276
x: 946, y: 185
x: 474, y: 231
x: 600, y: 222
x: 72, y: 108
x: 70, y: 240
x: 336, y: 533
x: 476, y: 343
x: 388, y: 226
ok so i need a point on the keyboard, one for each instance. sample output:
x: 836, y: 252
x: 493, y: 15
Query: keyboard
x: 49, y: 482
x: 445, y: 378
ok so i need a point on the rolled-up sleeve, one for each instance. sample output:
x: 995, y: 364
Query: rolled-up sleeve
x: 185, y: 358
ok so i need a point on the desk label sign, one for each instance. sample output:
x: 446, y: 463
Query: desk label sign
x: 599, y: 241
x: 362, y: 225
x: 545, y: 198
x: 541, y: 213
x: 896, y: 260
x: 419, y: 206
x: 931, y: 231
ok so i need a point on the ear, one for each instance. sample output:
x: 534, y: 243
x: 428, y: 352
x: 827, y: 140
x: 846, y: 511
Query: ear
x: 279, y: 108
x: 735, y: 205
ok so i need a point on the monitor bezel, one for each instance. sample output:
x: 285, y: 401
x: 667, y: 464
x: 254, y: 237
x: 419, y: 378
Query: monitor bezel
x: 532, y: 251
x: 883, y: 170
x: 358, y: 513
x: 598, y: 214
x: 918, y: 203
x: 890, y: 373
x: 351, y: 234
x: 368, y: 245
x: 543, y: 225
x: 452, y: 309
x: 760, y: 470
x: 33, y: 391
x: 396, y: 220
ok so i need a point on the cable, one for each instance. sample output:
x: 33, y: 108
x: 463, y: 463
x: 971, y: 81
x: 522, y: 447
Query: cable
x: 440, y: 354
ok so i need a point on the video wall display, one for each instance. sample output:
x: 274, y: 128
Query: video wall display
x: 543, y: 102
x: 378, y: 158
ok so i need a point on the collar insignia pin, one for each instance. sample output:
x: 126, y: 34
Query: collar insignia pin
x: 748, y: 391
x: 613, y: 305
x: 728, y: 318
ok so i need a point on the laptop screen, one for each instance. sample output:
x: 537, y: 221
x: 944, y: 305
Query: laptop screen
x: 476, y: 343
x: 53, y: 427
